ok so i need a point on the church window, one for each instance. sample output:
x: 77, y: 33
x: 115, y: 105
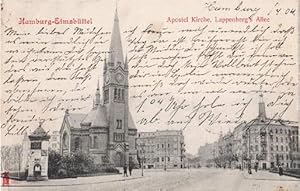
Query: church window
x: 119, y: 124
x: 91, y: 142
x: 122, y: 95
x: 119, y: 137
x: 106, y: 95
x: 115, y: 93
x: 96, y: 142
x: 65, y: 140
x: 77, y: 144
x: 119, y: 94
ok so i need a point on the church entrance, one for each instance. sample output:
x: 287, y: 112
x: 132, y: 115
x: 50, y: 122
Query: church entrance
x: 119, y: 159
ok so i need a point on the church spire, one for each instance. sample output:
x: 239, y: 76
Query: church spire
x: 261, y: 106
x: 97, y: 96
x: 115, y: 49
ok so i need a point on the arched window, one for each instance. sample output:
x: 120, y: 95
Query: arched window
x: 65, y: 140
x: 90, y: 142
x: 77, y: 144
x: 115, y: 93
x: 96, y: 142
x: 122, y: 97
x: 119, y: 94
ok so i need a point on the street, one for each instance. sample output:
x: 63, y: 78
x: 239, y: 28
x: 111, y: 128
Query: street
x: 175, y: 179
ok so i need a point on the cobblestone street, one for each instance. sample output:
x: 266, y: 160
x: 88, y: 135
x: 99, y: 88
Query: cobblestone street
x: 177, y: 180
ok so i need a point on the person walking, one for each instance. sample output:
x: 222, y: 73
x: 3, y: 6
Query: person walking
x: 280, y: 170
x: 130, y: 169
x: 256, y: 166
x: 249, y: 168
x: 125, y: 170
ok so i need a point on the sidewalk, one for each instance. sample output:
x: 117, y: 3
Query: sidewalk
x: 266, y: 181
x: 75, y: 181
x: 266, y: 175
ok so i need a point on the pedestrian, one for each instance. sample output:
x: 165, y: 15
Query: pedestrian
x: 280, y: 170
x: 130, y: 169
x: 256, y: 166
x: 249, y: 168
x: 125, y: 170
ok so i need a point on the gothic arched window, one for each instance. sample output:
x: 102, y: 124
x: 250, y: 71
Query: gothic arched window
x: 77, y: 144
x: 96, y: 142
x: 65, y: 140
x: 115, y: 93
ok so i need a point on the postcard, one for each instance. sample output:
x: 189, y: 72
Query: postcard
x: 150, y: 95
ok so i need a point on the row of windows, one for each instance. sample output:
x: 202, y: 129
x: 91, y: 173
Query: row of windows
x: 162, y: 159
x: 119, y: 137
x: 281, y: 148
x: 293, y: 139
x: 119, y: 95
x: 285, y: 131
x: 166, y: 145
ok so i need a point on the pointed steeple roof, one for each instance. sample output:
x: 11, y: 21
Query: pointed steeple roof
x: 115, y: 49
x: 97, y: 96
x: 261, y: 107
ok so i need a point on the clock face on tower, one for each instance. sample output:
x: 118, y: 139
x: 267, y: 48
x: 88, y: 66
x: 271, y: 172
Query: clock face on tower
x: 119, y: 77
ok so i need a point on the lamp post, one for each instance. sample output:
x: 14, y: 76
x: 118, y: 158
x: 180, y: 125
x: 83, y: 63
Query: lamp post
x: 165, y: 166
x: 142, y: 145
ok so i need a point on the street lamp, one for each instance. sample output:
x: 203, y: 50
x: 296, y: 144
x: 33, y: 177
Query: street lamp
x: 142, y: 146
x: 165, y: 166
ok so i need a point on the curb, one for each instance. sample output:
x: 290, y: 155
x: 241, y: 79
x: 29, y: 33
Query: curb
x: 271, y: 179
x: 65, y: 185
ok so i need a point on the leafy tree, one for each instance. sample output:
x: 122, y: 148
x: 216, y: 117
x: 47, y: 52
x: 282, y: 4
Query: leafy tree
x: 54, y: 163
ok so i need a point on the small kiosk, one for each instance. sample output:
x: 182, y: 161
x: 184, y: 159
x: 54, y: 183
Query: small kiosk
x: 38, y: 155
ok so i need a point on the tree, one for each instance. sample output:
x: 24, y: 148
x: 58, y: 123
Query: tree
x: 54, y: 163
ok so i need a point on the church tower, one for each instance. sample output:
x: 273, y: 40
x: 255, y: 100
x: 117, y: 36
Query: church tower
x: 115, y: 91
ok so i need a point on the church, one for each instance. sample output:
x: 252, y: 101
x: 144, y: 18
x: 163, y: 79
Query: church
x: 107, y: 132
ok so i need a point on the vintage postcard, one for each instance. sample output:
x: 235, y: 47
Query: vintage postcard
x: 150, y: 95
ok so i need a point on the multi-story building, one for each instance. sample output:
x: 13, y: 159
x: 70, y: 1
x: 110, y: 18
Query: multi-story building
x: 54, y: 142
x: 161, y: 149
x: 270, y: 142
x: 264, y: 141
x: 207, y: 154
